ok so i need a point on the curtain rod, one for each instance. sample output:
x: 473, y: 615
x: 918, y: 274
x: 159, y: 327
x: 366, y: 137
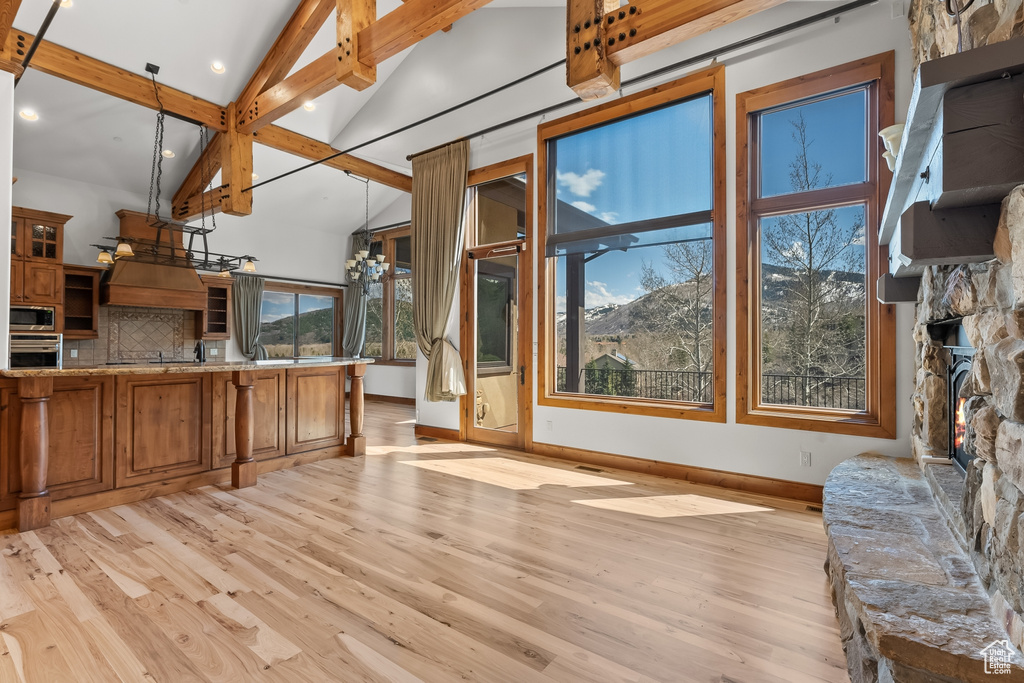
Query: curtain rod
x: 292, y: 279
x: 710, y: 54
x: 410, y: 157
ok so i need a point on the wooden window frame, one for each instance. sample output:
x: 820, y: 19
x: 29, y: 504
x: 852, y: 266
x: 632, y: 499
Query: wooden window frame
x: 339, y: 310
x: 387, y: 239
x: 879, y: 417
x: 711, y: 80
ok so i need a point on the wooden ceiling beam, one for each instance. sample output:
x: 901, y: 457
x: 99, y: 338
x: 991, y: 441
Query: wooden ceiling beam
x: 206, y: 166
x: 236, y: 170
x: 69, y: 65
x: 8, y: 10
x: 408, y: 24
x: 445, y: 29
x: 641, y: 28
x: 403, y: 27
x: 293, y: 40
x: 193, y: 206
x: 308, y: 148
x: 353, y: 17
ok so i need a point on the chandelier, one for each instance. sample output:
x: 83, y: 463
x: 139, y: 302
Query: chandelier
x: 175, y: 243
x: 362, y: 270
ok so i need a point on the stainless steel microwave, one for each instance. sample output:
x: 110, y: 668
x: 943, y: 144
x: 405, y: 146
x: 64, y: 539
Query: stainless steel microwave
x: 33, y: 318
x: 36, y: 350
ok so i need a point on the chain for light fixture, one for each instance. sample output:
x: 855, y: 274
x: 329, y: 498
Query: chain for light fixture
x: 168, y: 252
x: 362, y: 270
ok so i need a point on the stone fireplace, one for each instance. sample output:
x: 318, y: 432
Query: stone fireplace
x: 989, y: 297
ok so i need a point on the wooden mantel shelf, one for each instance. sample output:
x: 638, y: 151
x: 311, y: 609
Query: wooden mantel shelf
x: 963, y: 145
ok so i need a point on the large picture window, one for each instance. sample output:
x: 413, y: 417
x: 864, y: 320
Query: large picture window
x: 299, y: 321
x: 815, y: 348
x: 634, y: 253
x: 390, y: 336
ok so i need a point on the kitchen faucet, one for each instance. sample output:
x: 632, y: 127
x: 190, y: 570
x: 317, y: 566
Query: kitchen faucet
x: 200, y: 351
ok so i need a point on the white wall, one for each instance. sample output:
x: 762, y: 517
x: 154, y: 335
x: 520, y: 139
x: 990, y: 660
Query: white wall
x: 732, y: 447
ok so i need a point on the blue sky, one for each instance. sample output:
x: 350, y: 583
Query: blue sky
x: 641, y: 168
x: 277, y: 305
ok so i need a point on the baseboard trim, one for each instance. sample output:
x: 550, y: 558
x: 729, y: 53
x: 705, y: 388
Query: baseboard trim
x: 401, y: 400
x: 437, y: 433
x: 750, y: 483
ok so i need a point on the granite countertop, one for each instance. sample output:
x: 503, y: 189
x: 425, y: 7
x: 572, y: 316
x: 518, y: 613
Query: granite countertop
x: 147, y: 368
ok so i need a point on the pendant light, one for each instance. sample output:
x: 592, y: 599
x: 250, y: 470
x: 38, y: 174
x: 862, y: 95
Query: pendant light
x: 104, y: 257
x: 361, y: 269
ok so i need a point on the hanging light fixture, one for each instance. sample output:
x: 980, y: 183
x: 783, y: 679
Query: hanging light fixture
x: 361, y: 269
x: 175, y: 242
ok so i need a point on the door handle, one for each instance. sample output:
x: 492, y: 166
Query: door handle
x: 522, y: 375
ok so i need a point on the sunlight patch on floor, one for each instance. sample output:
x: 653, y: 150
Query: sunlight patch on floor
x: 513, y: 474
x: 687, y: 505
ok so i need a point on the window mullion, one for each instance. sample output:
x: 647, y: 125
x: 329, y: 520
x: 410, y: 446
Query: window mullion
x: 825, y: 198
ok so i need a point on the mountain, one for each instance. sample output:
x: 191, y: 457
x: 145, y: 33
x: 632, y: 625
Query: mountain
x: 314, y: 327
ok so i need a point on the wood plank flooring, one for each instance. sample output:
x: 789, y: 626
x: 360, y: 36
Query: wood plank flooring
x: 371, y: 569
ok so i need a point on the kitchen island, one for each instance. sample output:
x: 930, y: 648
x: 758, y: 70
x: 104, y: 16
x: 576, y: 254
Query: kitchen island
x: 85, y: 438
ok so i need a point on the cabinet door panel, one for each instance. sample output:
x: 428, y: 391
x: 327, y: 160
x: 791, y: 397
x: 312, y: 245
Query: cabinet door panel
x: 17, y: 280
x: 269, y: 414
x: 43, y: 283
x: 163, y: 427
x: 316, y: 408
x: 81, y: 454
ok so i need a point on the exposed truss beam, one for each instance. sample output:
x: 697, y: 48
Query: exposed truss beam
x: 624, y: 34
x: 8, y: 10
x: 308, y: 148
x: 61, y: 62
x: 202, y: 172
x: 403, y: 27
x: 78, y: 68
x: 236, y: 171
x: 210, y: 202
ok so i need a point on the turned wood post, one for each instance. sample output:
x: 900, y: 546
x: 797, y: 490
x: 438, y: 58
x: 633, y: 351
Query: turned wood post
x: 356, y: 440
x: 34, y: 500
x: 243, y: 469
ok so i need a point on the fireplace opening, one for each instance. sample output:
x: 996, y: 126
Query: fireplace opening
x: 961, y: 355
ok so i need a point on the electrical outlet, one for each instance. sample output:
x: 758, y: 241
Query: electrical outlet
x: 549, y: 425
x: 213, y: 351
x: 805, y: 458
x: 73, y: 352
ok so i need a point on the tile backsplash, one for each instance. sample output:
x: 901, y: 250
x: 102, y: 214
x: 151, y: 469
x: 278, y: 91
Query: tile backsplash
x: 131, y: 334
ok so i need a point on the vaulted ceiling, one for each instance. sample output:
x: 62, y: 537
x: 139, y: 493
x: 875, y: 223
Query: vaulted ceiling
x: 87, y: 136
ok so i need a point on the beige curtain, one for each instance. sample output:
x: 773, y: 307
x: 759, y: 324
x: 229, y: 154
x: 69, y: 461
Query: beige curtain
x: 438, y: 201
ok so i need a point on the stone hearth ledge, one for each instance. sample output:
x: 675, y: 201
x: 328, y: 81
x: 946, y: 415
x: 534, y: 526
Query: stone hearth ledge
x: 143, y: 368
x: 910, y: 605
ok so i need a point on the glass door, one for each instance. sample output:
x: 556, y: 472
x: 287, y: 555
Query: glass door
x: 497, y: 333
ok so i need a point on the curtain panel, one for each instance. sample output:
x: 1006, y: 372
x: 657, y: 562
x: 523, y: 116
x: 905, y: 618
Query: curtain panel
x: 248, y: 305
x: 438, y: 202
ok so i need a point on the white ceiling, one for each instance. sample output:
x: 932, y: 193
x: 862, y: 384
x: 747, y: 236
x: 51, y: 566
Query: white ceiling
x: 87, y: 136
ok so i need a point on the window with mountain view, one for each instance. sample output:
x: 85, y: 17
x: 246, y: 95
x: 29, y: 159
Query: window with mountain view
x: 812, y: 348
x: 389, y: 331
x: 296, y: 324
x: 633, y: 251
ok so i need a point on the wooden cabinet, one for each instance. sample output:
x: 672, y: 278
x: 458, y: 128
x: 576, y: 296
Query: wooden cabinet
x: 37, y: 245
x: 17, y: 280
x: 214, y: 322
x: 269, y: 417
x: 43, y: 283
x: 81, y: 302
x: 316, y: 409
x: 162, y: 427
x: 81, y: 438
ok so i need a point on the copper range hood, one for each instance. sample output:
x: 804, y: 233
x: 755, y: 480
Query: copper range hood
x: 136, y: 282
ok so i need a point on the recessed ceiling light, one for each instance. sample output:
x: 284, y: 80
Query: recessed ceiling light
x: 117, y: 138
x: 66, y: 3
x: 309, y: 105
x: 28, y: 115
x: 168, y: 154
x: 255, y: 177
x: 217, y: 67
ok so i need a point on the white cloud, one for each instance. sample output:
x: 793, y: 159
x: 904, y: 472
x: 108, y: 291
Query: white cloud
x: 795, y: 252
x: 584, y: 206
x: 608, y: 216
x: 598, y: 294
x: 581, y: 185
x: 859, y: 237
x: 560, y: 304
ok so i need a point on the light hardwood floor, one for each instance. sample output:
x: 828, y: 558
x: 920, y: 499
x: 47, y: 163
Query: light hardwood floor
x: 372, y: 569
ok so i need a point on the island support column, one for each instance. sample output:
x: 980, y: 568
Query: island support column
x: 356, y: 440
x: 34, y: 500
x: 243, y: 469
